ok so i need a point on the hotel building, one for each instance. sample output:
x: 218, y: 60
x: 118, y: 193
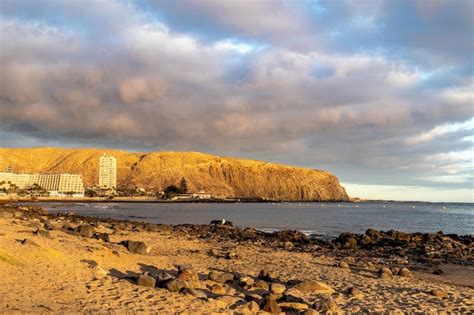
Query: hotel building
x: 56, y: 184
x: 107, y: 172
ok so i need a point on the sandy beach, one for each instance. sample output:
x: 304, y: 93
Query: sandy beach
x: 61, y: 264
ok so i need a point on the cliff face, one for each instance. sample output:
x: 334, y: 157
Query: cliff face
x: 219, y: 176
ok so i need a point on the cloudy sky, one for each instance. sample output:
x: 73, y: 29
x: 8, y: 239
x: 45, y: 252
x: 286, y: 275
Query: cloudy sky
x: 380, y: 93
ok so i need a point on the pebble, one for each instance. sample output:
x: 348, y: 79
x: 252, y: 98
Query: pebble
x: 293, y: 306
x: 146, y: 281
x: 262, y: 285
x: 196, y: 293
x: 314, y: 286
x: 355, y: 292
x: 175, y: 285
x: 136, y: 247
x: 269, y: 304
x: 277, y: 288
x: 385, y: 273
x: 344, y: 265
x: 218, y: 289
x: 439, y: 293
x: 221, y: 277
x: 325, y: 305
x: 405, y: 272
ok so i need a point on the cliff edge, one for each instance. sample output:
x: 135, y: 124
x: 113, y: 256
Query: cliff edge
x: 219, y: 176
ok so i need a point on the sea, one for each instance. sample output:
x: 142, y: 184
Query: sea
x: 321, y: 219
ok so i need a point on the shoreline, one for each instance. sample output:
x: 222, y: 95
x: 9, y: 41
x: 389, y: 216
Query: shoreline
x: 88, y: 256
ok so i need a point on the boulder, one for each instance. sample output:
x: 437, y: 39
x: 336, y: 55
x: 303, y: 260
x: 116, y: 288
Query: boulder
x: 269, y: 304
x: 439, y: 293
x: 404, y: 272
x: 218, y: 289
x: 325, y: 305
x: 146, y: 281
x: 221, y: 222
x: 175, y: 285
x: 86, y: 231
x: 310, y: 311
x: 354, y: 292
x: 344, y: 265
x: 231, y: 255
x: 385, y: 273
x: 136, y: 247
x: 42, y: 233
x: 188, y: 275
x: 314, y: 287
x: 277, y: 288
x: 267, y: 275
x: 246, y: 281
x: 250, y: 307
x: 28, y: 242
x: 221, y: 277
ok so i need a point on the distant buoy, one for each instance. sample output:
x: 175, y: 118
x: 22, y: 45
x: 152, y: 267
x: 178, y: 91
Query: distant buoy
x: 413, y: 207
x: 383, y: 206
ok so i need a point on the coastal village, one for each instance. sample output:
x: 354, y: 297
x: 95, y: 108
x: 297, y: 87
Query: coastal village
x: 66, y: 185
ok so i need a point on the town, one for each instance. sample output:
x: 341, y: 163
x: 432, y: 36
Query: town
x: 70, y: 186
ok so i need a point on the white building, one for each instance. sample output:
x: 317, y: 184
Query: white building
x: 59, y: 184
x: 107, y: 172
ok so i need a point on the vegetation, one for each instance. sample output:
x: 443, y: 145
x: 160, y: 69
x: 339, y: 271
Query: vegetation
x: 183, y: 186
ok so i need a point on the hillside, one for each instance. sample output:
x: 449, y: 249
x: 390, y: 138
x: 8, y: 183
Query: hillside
x: 220, y: 176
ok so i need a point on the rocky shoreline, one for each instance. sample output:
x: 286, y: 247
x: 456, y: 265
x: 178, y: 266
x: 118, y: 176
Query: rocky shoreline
x: 389, y: 256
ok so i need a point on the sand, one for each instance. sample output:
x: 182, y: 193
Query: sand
x: 59, y: 276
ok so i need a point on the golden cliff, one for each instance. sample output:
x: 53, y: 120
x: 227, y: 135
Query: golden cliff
x: 219, y: 176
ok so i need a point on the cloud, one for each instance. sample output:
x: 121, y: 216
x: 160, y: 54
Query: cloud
x: 321, y: 84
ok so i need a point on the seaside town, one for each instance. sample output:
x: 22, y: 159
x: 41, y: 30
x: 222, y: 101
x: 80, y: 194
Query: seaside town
x: 66, y: 185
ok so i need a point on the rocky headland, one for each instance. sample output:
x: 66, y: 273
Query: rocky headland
x: 92, y: 265
x: 222, y: 177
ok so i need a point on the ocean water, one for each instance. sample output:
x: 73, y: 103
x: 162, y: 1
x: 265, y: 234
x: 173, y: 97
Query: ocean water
x: 323, y: 219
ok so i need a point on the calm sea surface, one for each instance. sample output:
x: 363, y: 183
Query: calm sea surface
x: 325, y: 219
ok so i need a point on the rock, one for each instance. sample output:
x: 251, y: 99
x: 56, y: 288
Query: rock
x: 218, y: 289
x: 310, y: 311
x: 86, y: 231
x: 262, y: 285
x: 250, y: 307
x: 404, y: 272
x: 438, y: 271
x: 438, y: 293
x: 162, y: 278
x: 215, y: 253
x: 221, y: 277
x: 231, y: 255
x: 325, y: 305
x: 293, y: 306
x: 269, y: 304
x: 277, y: 288
x: 100, y: 272
x: 175, y: 285
x: 225, y: 301
x: 385, y: 273
x: 188, y: 275
x: 354, y: 292
x: 196, y: 293
x: 42, y: 233
x: 314, y: 286
x: 146, y: 281
x: 246, y: 281
x: 48, y: 226
x: 136, y: 247
x: 344, y: 265
x: 267, y: 275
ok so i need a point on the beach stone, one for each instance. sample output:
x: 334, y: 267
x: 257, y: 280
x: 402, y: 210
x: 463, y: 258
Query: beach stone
x: 42, y: 233
x: 293, y: 306
x: 439, y: 293
x: 355, y: 292
x: 404, y: 272
x: 262, y: 285
x: 136, y: 247
x: 146, y: 281
x: 314, y: 286
x: 249, y: 308
x: 231, y: 255
x: 277, y: 288
x: 215, y: 253
x: 246, y: 281
x: 269, y: 304
x: 218, y: 289
x: 221, y: 277
x: 188, y: 275
x: 385, y: 273
x: 100, y: 272
x: 344, y: 265
x: 267, y: 275
x: 86, y: 231
x: 196, y: 293
x: 438, y: 272
x: 48, y: 226
x: 175, y: 285
x: 325, y: 305
x: 311, y: 311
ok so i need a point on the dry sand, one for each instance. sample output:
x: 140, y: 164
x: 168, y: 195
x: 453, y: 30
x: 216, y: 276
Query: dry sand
x: 57, y: 276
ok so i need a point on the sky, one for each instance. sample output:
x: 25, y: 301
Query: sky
x: 380, y: 93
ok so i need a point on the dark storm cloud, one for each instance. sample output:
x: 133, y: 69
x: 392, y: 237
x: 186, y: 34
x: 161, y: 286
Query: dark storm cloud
x: 379, y: 92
